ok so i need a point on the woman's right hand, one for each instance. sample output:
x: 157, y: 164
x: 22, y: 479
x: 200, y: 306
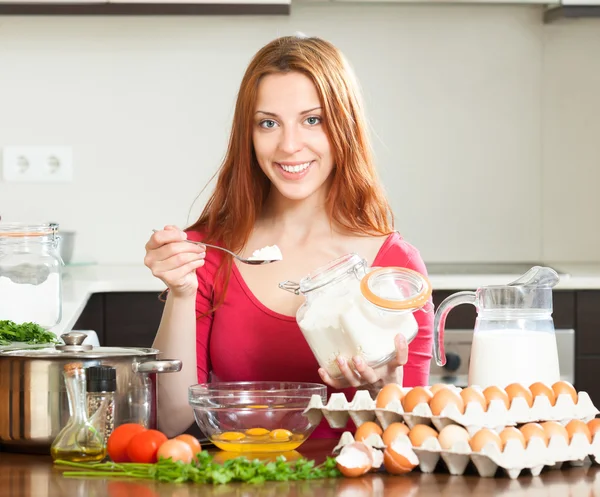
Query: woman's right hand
x: 174, y: 261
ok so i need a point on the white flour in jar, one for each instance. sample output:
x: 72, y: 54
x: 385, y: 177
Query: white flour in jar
x: 24, y: 302
x: 342, y: 322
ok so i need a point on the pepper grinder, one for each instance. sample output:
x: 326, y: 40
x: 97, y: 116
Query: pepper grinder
x: 101, y: 387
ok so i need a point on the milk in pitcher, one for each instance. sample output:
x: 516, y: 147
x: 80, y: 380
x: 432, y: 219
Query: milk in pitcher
x: 501, y: 357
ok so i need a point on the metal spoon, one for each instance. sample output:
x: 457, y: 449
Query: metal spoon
x: 252, y: 262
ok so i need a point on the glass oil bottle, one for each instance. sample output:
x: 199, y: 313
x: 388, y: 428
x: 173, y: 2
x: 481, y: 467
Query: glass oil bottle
x: 79, y: 440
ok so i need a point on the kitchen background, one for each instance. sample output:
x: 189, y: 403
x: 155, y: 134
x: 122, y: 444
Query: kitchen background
x: 486, y: 122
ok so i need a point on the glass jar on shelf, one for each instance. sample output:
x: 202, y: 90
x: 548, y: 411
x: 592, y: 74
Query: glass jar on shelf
x: 30, y: 274
x: 355, y: 310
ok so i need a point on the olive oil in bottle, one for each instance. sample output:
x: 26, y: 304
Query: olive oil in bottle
x: 79, y: 440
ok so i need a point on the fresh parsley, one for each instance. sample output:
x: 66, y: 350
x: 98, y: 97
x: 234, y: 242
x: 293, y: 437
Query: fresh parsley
x: 30, y: 333
x: 204, y: 470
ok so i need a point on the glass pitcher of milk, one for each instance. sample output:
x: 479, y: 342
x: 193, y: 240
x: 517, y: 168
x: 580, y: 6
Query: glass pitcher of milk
x: 513, y: 339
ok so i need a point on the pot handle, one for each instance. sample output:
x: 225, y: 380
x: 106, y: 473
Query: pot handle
x: 166, y: 366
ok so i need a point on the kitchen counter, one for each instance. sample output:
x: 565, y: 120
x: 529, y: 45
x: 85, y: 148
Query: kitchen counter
x: 81, y: 281
x: 34, y: 475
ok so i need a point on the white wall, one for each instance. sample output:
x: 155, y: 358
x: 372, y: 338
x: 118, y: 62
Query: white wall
x: 473, y: 110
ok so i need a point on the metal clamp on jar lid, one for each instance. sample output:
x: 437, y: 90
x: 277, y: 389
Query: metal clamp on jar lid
x: 397, y: 289
x: 74, y: 342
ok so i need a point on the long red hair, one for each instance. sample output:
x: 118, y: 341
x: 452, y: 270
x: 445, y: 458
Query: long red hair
x: 356, y: 201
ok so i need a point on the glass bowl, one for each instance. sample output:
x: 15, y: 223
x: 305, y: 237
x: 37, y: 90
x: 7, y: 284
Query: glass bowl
x: 249, y: 416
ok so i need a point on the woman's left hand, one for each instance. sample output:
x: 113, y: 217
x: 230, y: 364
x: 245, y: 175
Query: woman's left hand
x: 364, y: 376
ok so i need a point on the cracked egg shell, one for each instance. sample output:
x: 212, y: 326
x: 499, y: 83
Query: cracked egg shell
x: 367, y: 429
x: 565, y: 388
x: 414, y: 397
x: 355, y: 459
x: 399, y: 459
x: 539, y: 388
x: 519, y: 390
x: 420, y: 433
x: 390, y: 392
x: 392, y: 432
x: 443, y: 398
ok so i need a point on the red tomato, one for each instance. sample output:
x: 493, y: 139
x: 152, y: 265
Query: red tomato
x: 177, y: 450
x: 144, y: 446
x: 119, y: 439
x: 192, y: 441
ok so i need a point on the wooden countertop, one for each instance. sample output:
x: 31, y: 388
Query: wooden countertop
x: 34, y: 475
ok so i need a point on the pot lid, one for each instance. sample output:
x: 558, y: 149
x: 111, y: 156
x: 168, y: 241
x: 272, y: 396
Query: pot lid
x: 74, y: 348
x: 397, y: 289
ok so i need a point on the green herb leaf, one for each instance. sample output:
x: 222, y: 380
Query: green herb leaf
x: 30, y: 333
x: 204, y: 470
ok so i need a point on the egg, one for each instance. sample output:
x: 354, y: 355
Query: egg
x: 450, y: 434
x: 355, y: 459
x: 510, y: 433
x: 390, y: 392
x: 367, y: 429
x: 176, y: 450
x: 471, y: 394
x: 540, y: 388
x: 437, y: 387
x: 530, y: 430
x: 553, y: 428
x: 484, y: 437
x: 420, y: 433
x: 443, y: 398
x: 496, y: 393
x: 565, y: 388
x: 414, y: 397
x: 577, y: 426
x: 392, y: 432
x: 399, y: 459
x: 594, y: 426
x: 518, y: 390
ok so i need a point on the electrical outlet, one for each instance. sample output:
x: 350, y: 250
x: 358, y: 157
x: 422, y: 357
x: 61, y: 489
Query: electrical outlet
x: 37, y: 164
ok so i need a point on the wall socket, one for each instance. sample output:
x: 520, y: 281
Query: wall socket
x: 37, y: 164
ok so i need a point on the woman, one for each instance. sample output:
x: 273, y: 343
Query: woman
x: 298, y: 174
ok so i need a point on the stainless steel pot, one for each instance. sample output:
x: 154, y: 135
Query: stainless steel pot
x: 34, y: 405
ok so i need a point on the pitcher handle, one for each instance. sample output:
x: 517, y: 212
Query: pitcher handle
x: 439, y: 321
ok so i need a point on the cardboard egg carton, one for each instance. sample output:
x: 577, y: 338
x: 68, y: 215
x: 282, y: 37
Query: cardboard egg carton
x: 513, y: 461
x: 362, y: 408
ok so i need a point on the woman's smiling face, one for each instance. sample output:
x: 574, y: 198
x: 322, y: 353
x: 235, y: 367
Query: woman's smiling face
x: 290, y: 142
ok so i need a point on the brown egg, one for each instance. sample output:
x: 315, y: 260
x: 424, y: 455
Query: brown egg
x: 471, y: 394
x: 366, y: 429
x: 392, y: 432
x: 510, y: 433
x: 414, y: 397
x: 531, y: 430
x: 450, y: 434
x: 420, y: 433
x: 577, y: 426
x: 443, y: 398
x: 518, y: 390
x: 594, y: 426
x: 540, y: 388
x: 484, y: 437
x: 390, y: 392
x: 495, y: 393
x: 438, y: 386
x: 399, y: 459
x: 553, y: 428
x: 565, y: 388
